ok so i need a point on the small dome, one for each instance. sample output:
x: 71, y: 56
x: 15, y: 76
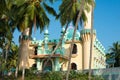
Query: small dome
x: 69, y: 33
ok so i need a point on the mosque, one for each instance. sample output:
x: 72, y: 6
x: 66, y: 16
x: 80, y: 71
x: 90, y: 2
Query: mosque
x: 40, y: 50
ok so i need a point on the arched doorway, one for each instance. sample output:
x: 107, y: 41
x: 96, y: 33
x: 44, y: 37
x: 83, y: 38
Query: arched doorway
x: 73, y: 66
x: 48, y: 66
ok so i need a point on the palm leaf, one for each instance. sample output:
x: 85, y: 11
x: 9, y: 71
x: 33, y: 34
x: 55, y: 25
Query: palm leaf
x: 41, y: 18
x: 49, y: 9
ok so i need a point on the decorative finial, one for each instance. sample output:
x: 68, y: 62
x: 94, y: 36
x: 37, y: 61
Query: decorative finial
x: 46, y: 31
x: 63, y: 29
x: 71, y: 26
x: 34, y: 38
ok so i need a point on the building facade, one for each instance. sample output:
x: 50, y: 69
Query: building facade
x: 40, y: 50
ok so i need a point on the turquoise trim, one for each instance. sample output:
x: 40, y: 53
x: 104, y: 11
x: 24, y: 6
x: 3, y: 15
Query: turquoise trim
x: 69, y: 34
x: 99, y: 46
x: 87, y: 31
x: 54, y: 41
x: 47, y: 51
x: 39, y: 42
x: 57, y: 64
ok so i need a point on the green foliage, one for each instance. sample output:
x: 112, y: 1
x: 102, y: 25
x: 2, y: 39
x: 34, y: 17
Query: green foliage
x: 52, y: 76
x: 98, y: 78
x: 74, y: 75
x: 50, y: 9
x: 31, y: 74
x: 8, y: 66
x: 31, y: 13
x: 12, y: 57
x: 114, y: 54
x: 69, y: 10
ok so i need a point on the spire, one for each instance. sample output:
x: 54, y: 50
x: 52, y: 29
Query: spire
x: 46, y: 39
x: 71, y: 26
x: 46, y: 31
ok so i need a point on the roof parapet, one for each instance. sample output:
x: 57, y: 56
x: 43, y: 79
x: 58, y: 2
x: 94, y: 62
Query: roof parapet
x: 98, y: 45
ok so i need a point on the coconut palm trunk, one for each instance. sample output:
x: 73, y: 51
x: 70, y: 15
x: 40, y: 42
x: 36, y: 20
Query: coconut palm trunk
x: 23, y: 54
x: 91, y: 44
x: 76, y: 25
x: 23, y: 57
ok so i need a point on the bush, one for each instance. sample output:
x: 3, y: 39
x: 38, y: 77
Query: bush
x: 52, y: 76
x: 56, y: 75
x: 74, y: 75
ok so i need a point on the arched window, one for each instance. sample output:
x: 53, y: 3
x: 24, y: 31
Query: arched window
x: 73, y: 66
x: 54, y: 47
x: 35, y: 52
x: 48, y: 65
x: 34, y: 65
x: 74, y: 51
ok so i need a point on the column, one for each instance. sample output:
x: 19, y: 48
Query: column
x: 39, y: 51
x: 57, y: 64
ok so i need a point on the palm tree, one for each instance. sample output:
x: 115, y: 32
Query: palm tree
x: 12, y: 57
x: 5, y: 17
x: 115, y: 53
x: 110, y: 60
x: 73, y: 11
x: 29, y: 13
x: 4, y: 24
x: 5, y: 32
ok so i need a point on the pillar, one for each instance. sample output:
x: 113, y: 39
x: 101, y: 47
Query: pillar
x: 57, y: 64
x: 39, y: 51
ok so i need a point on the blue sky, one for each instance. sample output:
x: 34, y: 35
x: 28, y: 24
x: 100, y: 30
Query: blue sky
x: 106, y: 23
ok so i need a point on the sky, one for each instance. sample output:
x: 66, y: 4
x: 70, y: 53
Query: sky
x: 106, y: 23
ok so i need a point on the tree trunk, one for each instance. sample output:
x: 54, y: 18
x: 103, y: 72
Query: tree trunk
x: 6, y: 54
x: 23, y: 54
x: 76, y: 25
x: 16, y: 71
x: 23, y: 72
x: 91, y: 45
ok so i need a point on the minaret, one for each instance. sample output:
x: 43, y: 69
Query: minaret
x: 63, y: 29
x: 86, y: 39
x: 46, y: 40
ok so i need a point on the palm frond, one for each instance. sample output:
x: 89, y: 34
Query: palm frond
x: 50, y: 9
x: 41, y: 18
x: 20, y: 2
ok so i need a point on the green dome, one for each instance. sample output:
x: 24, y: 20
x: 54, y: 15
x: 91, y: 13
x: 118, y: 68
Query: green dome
x: 69, y: 33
